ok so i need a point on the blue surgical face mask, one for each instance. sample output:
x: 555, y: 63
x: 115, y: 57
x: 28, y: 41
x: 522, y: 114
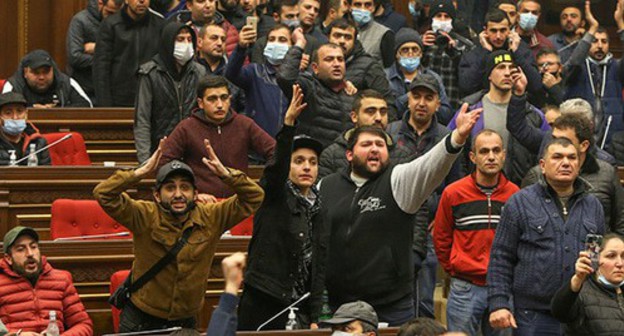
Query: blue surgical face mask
x: 412, y: 9
x: 13, y: 126
x: 527, y: 21
x: 294, y: 23
x: 410, y: 64
x: 361, y: 16
x: 608, y: 283
x: 275, y: 52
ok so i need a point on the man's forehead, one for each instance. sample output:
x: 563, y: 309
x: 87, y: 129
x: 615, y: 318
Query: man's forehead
x: 349, y: 30
x: 305, y: 153
x: 561, y: 149
x: 282, y: 32
x: 497, y: 25
x: 215, y: 91
x: 571, y: 10
x: 326, y: 51
x: 368, y: 102
x: 215, y: 30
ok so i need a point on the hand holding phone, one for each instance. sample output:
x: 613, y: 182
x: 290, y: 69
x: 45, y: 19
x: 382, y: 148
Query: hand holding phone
x: 592, y: 245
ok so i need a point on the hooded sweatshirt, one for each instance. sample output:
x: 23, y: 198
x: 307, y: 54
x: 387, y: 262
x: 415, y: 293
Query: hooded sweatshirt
x: 83, y: 28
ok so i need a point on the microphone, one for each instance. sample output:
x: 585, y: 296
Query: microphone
x: 165, y: 331
x: 104, y: 235
x: 305, y: 296
x: 604, y: 139
x: 69, y: 135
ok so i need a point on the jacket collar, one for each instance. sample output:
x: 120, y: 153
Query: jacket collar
x: 581, y: 186
x: 6, y: 268
x: 200, y: 115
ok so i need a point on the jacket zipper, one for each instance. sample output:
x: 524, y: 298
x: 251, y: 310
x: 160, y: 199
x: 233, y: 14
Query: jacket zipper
x: 219, y: 129
x: 352, y: 212
x: 489, y: 200
x: 178, y: 87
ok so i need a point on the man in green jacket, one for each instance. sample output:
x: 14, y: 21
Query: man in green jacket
x: 176, y: 294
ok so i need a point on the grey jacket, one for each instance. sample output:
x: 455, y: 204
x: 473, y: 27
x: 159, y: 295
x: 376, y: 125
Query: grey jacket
x: 83, y: 29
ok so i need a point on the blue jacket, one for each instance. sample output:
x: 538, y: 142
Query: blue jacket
x: 534, y: 250
x: 224, y: 321
x: 400, y: 88
x: 266, y: 103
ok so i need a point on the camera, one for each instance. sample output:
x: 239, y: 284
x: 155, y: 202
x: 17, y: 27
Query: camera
x: 441, y: 40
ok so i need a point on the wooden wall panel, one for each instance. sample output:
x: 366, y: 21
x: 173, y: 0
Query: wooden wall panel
x: 8, y: 37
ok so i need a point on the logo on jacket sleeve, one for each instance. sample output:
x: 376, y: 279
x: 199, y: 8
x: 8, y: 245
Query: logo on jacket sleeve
x: 370, y: 204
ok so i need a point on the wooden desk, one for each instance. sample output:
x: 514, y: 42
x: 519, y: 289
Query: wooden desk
x: 27, y: 193
x: 92, y: 263
x: 108, y: 132
x: 384, y: 332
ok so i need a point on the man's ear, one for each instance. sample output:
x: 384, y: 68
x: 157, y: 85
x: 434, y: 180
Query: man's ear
x: 349, y: 155
x: 200, y: 103
x: 314, y: 68
x: 275, y: 17
x: 195, y: 195
x: 8, y: 259
x: 156, y: 196
x: 584, y: 146
x: 354, y: 117
x: 472, y: 156
x: 542, y: 164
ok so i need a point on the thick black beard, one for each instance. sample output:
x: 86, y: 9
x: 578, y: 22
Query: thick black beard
x: 32, y: 277
x: 190, y: 205
x: 359, y: 168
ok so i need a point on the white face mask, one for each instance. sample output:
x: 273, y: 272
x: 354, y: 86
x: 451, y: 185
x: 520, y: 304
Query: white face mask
x: 341, y: 333
x: 183, y: 52
x: 439, y: 25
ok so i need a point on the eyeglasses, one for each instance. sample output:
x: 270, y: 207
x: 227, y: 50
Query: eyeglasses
x: 213, y: 99
x: 410, y: 51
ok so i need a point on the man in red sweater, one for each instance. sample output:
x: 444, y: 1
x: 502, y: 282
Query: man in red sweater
x: 30, y: 289
x: 464, y: 228
x: 231, y: 135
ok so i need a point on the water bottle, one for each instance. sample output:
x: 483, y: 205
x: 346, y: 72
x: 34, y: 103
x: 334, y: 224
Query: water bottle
x: 33, y: 161
x: 53, y: 328
x: 291, y: 324
x: 326, y: 312
x: 12, y: 158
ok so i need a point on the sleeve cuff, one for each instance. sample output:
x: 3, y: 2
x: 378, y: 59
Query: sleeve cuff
x: 499, y: 302
x: 228, y: 302
x: 451, y: 146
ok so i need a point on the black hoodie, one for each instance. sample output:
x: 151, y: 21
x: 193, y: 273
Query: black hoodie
x: 82, y: 29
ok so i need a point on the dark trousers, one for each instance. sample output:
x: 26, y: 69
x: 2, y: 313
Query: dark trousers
x: 533, y: 322
x: 134, y: 319
x: 257, y: 307
x: 396, y: 313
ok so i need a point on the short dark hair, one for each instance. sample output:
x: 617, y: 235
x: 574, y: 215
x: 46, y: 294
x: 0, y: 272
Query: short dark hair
x: 343, y: 24
x: 368, y: 93
x: 202, y: 30
x: 496, y: 15
x: 603, y: 30
x: 546, y: 51
x: 367, y: 327
x: 211, y: 82
x: 279, y: 26
x: 315, y: 54
x: 355, y: 136
x: 578, y: 123
x: 504, y: 2
x: 289, y: 3
x: 116, y: 2
x: 422, y: 326
x: 485, y: 131
x: 564, y: 142
x: 327, y: 5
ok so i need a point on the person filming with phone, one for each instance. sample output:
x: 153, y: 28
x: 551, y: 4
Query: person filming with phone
x: 590, y: 303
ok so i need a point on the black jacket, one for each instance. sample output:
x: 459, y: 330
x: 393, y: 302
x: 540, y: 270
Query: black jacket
x: 365, y: 72
x: 604, y: 184
x: 122, y: 46
x: 31, y: 136
x: 327, y: 114
x: 616, y: 148
x: 280, y: 226
x: 65, y: 91
x: 594, y: 310
x: 83, y: 28
x: 165, y: 96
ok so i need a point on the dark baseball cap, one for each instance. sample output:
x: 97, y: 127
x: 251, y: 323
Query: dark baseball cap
x: 12, y: 98
x: 11, y: 236
x: 426, y: 81
x: 305, y: 141
x: 348, y: 312
x: 173, y: 167
x: 37, y: 58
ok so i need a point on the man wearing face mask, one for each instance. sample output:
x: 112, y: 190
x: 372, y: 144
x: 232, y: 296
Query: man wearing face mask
x: 408, y: 50
x: 17, y: 133
x: 377, y: 39
x: 175, y: 295
x: 443, y: 49
x: 167, y: 86
x: 529, y: 12
x: 363, y: 71
x: 266, y: 103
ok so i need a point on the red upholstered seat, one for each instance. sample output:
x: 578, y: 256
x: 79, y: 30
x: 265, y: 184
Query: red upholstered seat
x: 2, y: 81
x: 74, y: 218
x: 71, y: 152
x: 117, y: 279
x: 244, y: 228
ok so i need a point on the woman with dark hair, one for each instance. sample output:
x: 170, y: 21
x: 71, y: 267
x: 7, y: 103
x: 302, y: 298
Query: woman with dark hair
x: 592, y: 302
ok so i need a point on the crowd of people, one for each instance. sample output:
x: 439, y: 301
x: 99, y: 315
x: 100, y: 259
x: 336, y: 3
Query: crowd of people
x: 391, y: 147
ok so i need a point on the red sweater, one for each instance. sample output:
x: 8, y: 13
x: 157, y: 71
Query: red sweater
x: 231, y: 141
x: 27, y: 308
x: 464, y: 227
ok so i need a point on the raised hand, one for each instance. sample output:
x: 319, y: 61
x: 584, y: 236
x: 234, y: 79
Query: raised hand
x: 514, y: 41
x: 549, y: 80
x: 428, y: 38
x: 233, y: 271
x: 213, y: 163
x: 583, y: 268
x: 299, y: 38
x: 519, y: 81
x: 305, y: 61
x: 618, y: 15
x: 484, y: 41
x: 206, y: 198
x: 465, y: 121
x: 151, y: 164
x: 247, y: 36
x: 350, y: 89
x: 591, y: 20
x: 297, y: 105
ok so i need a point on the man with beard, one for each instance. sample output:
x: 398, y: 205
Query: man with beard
x: 80, y: 40
x: 251, y: 9
x: 30, y: 288
x: 175, y: 295
x: 572, y: 30
x: 371, y: 210
x: 598, y: 79
x: 40, y: 81
x: 231, y: 11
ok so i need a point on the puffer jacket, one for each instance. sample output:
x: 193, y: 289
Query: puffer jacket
x: 31, y: 136
x: 65, y: 91
x: 83, y: 28
x: 327, y: 114
x: 617, y: 148
x: 365, y: 73
x: 25, y: 307
x: 595, y: 310
x: 165, y: 96
x: 604, y: 184
x: 122, y: 46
